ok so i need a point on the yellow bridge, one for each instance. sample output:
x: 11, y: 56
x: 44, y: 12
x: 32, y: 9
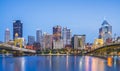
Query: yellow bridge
x: 109, y: 49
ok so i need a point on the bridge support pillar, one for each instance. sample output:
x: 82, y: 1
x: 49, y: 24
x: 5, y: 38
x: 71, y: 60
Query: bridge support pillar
x: 18, y: 53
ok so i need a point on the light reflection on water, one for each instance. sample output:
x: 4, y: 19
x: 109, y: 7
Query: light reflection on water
x: 59, y: 63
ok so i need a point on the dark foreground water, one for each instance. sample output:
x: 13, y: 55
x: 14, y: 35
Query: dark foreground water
x: 59, y: 63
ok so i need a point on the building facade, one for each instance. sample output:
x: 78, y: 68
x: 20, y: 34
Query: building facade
x: 117, y: 40
x: 47, y: 41
x: 79, y: 41
x: 57, y: 44
x: 7, y: 35
x: 98, y: 43
x: 37, y: 46
x: 66, y: 36
x: 31, y: 40
x: 17, y: 29
x: 39, y: 36
x: 57, y: 33
x: 105, y: 32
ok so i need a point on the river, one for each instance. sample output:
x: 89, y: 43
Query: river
x: 59, y: 63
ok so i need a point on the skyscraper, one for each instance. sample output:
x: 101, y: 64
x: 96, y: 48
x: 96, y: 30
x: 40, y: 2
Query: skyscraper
x: 7, y: 35
x: 31, y: 40
x: 47, y: 41
x: 57, y: 41
x: 39, y: 36
x: 79, y: 41
x: 66, y: 36
x: 105, y: 32
x: 57, y: 33
x: 17, y: 29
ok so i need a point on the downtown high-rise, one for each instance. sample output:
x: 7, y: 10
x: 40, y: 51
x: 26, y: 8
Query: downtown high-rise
x: 57, y: 33
x: 39, y: 36
x: 7, y: 35
x: 105, y: 32
x: 79, y: 41
x: 66, y: 36
x: 47, y: 41
x: 17, y: 29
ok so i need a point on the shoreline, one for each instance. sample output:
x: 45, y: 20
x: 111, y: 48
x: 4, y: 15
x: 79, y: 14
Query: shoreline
x: 58, y: 54
x: 101, y: 56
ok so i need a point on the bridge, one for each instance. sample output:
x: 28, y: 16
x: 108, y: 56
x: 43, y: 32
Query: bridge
x: 17, y: 51
x: 109, y: 49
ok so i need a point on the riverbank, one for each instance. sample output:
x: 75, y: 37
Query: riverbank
x: 58, y: 54
x: 102, y: 57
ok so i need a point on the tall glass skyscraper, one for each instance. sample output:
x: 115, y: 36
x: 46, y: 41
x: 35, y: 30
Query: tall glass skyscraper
x: 39, y: 36
x: 17, y: 29
x: 66, y: 36
x: 7, y: 35
x: 105, y: 32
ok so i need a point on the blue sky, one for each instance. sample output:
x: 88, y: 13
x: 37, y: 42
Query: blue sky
x: 81, y: 16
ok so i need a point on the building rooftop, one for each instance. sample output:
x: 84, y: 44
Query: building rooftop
x: 7, y: 29
x: 105, y: 23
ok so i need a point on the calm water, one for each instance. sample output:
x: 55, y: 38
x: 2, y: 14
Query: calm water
x: 59, y: 63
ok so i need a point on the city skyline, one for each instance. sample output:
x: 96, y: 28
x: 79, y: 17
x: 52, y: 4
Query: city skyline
x: 75, y: 15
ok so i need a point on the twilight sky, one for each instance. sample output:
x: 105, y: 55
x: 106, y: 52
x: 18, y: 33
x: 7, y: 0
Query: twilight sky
x: 81, y: 16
